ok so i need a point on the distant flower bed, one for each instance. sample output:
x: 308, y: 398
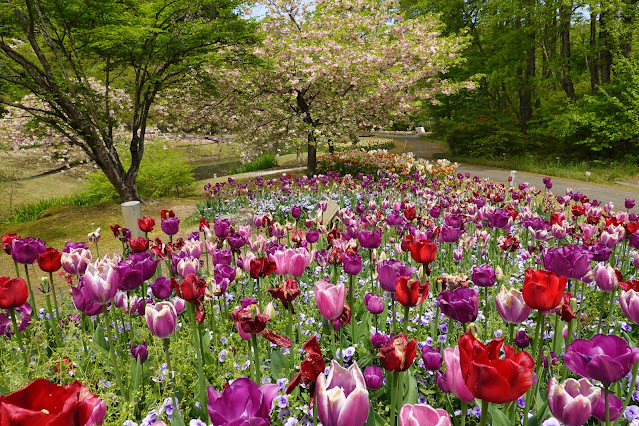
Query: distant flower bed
x: 372, y: 162
x: 365, y: 145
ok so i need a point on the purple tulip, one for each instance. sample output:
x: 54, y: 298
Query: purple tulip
x: 501, y: 219
x: 352, y: 263
x: 161, y: 319
x: 629, y: 204
x: 236, y: 241
x: 330, y: 299
x: 600, y: 253
x: 140, y: 352
x: 461, y: 304
x: 342, y: 397
x: 193, y: 248
x: 161, y: 288
x: 615, y: 406
x: 170, y: 225
x: 605, y: 277
x: 82, y: 302
x: 221, y: 256
x: 442, y: 383
x: 101, y: 282
x: 432, y: 358
x: 522, y: 341
x: 23, y: 314
x: 70, y: 245
x: 242, y: 403
x: 312, y: 236
x: 75, y: 260
x: 374, y: 303
x: 570, y: 262
x: 607, y: 358
x: 484, y: 275
x: 547, y: 183
x: 296, y: 211
x: 379, y: 340
x: 423, y: 414
x: 572, y: 402
x: 374, y: 377
x: 221, y: 228
x: 27, y: 250
x: 130, y: 276
x: 629, y: 304
x: 370, y: 239
x: 449, y: 234
x: 389, y: 271
x: 511, y: 306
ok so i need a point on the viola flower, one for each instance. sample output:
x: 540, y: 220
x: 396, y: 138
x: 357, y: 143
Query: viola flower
x: 342, y: 397
x: 398, y: 354
x: 242, y: 403
x: 490, y: 378
x: 543, y: 289
x: 44, y: 403
x: 607, y: 358
x: 410, y: 292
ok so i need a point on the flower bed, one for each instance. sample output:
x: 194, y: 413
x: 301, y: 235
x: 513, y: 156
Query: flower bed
x: 376, y: 161
x: 430, y: 300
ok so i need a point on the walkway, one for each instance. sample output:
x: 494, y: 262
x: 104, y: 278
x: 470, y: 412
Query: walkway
x: 605, y: 193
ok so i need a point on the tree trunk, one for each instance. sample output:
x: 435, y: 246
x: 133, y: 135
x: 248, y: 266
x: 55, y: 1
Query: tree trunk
x: 594, y: 66
x: 565, y: 12
x: 628, y: 17
x: 605, y: 56
x: 528, y: 74
x: 124, y: 183
x: 311, y: 164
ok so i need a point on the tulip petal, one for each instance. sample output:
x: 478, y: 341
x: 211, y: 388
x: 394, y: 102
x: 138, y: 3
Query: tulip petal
x: 355, y: 409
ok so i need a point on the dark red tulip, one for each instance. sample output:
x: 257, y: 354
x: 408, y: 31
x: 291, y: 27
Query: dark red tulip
x: 398, y: 354
x: 250, y: 323
x: 410, y: 292
x: 410, y: 213
x: 285, y: 292
x: 6, y: 241
x: 165, y: 214
x: 50, y: 260
x: 490, y: 378
x: 13, y: 293
x: 312, y: 366
x: 146, y: 224
x: 262, y: 267
x: 139, y: 244
x: 191, y: 288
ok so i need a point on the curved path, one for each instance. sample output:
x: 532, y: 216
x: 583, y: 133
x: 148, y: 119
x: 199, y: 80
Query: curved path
x: 595, y: 191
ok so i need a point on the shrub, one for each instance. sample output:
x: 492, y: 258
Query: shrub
x: 263, y: 162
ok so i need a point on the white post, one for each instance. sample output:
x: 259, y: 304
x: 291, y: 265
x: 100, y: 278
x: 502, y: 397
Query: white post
x: 131, y: 212
x: 513, y: 178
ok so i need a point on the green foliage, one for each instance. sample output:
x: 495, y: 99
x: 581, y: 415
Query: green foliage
x: 34, y: 210
x: 263, y: 162
x: 162, y: 173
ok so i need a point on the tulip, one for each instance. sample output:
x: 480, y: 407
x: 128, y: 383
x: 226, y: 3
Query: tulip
x: 161, y: 288
x: 570, y: 262
x: 261, y: 267
x: 378, y: 340
x: 449, y: 234
x: 296, y: 211
x: 461, y: 304
x: 44, y: 403
x: 26, y: 250
x: 192, y: 288
x: 605, y: 277
x: 298, y: 261
x: 423, y: 252
x: 330, y: 299
x: 101, y: 282
x: 241, y: 403
x: 76, y: 260
x: 410, y: 292
x: 490, y: 378
x: 140, y: 352
x: 49, y: 261
x: 146, y: 224
x: 139, y: 244
x: 454, y: 379
x: 82, y: 302
x: 615, y: 407
x: 312, y: 236
x: 398, y: 354
x: 221, y: 256
x: 423, y: 415
x: 629, y: 204
x: 221, y: 228
x: 370, y: 239
x: 572, y: 402
x: 14, y: 292
x: 484, y: 275
x: 432, y: 358
x: 6, y: 241
x: 188, y: 266
x: 542, y: 289
x: 374, y: 377
x: 131, y: 277
x: 511, y: 306
x: 161, y: 319
x: 342, y: 397
x: 607, y: 358
x: 170, y: 226
x: 389, y: 271
x: 286, y: 292
x: 352, y: 263
x: 374, y: 303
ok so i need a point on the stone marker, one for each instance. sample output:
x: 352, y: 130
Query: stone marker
x: 242, y: 217
x: 131, y: 212
x: 513, y: 178
x: 330, y: 213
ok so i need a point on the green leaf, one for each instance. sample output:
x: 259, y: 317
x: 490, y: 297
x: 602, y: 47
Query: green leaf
x: 176, y: 418
x: 98, y: 338
x: 136, y: 375
x: 374, y: 419
x: 279, y: 364
x: 411, y: 391
x: 498, y: 418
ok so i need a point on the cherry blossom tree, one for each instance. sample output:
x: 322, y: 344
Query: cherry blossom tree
x: 326, y: 68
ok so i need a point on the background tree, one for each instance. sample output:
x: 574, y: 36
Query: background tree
x: 52, y: 49
x: 328, y: 68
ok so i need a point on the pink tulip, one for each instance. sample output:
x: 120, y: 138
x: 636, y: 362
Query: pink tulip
x: 605, y: 277
x: 454, y: 375
x: 188, y: 266
x: 161, y: 319
x: 423, y: 415
x: 342, y: 397
x: 629, y: 303
x: 75, y: 262
x: 511, y: 306
x: 330, y: 299
x: 298, y: 261
x: 101, y: 282
x: 573, y: 401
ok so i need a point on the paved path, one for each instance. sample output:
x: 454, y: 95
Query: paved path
x: 615, y: 193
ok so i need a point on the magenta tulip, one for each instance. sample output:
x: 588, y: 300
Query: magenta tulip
x: 342, y: 397
x: 101, y: 282
x: 423, y: 415
x: 161, y: 319
x: 573, y: 401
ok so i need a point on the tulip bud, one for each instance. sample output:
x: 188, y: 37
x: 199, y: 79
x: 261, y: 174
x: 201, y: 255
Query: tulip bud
x: 605, y: 277
x: 161, y: 319
x: 432, y: 358
x: 270, y: 312
x: 522, y: 340
x: 374, y: 303
x: 499, y: 273
x: 374, y: 376
x: 140, y: 352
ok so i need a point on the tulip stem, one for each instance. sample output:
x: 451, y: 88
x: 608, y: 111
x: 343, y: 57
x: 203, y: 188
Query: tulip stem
x: 463, y: 413
x: 55, y: 298
x: 602, y: 312
x: 633, y: 385
x: 114, y: 359
x: 31, y: 296
x: 351, y: 302
x: 165, y: 343
x: 17, y: 269
x: 258, y: 373
x: 606, y: 392
x: 393, y: 407
x: 511, y: 333
x: 484, y: 413
x: 18, y: 334
x: 406, y: 313
x: 55, y: 322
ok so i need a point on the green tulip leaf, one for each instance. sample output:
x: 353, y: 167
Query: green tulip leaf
x: 498, y: 417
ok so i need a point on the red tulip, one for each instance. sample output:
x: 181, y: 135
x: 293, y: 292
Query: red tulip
x: 410, y: 213
x: 50, y: 260
x: 423, y: 251
x: 285, y: 292
x: 398, y: 354
x: 410, y: 292
x: 312, y: 366
x: 490, y: 378
x: 13, y: 293
x: 139, y: 244
x: 191, y: 288
x: 262, y: 267
x: 250, y: 323
x: 6, y: 241
x: 44, y: 403
x: 166, y: 214
x: 146, y: 224
x: 543, y: 289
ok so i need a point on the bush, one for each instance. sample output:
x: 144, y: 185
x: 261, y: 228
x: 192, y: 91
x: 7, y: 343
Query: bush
x: 162, y: 172
x: 486, y: 137
x: 263, y: 162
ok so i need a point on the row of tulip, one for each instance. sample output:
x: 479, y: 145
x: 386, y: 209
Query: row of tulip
x: 521, y: 304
